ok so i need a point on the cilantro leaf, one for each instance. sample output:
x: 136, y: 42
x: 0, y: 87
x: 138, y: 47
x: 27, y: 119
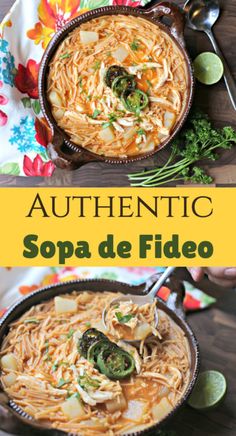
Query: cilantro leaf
x: 70, y: 334
x: 123, y: 319
x: 31, y: 321
x: 62, y: 382
x: 135, y: 45
x: 96, y: 113
x: 198, y: 140
x: 65, y: 56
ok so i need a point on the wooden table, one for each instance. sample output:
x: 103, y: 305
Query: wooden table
x: 213, y: 100
x: 215, y: 331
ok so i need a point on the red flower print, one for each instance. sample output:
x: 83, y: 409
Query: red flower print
x: 43, y: 132
x: 164, y: 293
x: 3, y: 101
x: 25, y: 290
x: 126, y: 3
x: 3, y: 118
x: 191, y: 303
x: 26, y: 79
x: 2, y: 312
x: 50, y: 279
x: 37, y: 167
x: 53, y: 15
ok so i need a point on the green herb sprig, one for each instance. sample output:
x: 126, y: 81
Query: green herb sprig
x: 65, y: 56
x: 31, y: 321
x: 135, y: 45
x: 86, y: 382
x: 123, y: 319
x: 62, y: 382
x: 197, y: 141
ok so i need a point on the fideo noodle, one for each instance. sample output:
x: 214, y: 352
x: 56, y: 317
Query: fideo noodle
x: 101, y: 114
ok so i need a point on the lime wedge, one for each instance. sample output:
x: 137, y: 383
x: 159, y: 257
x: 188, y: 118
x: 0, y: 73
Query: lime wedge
x: 208, y: 68
x: 208, y: 391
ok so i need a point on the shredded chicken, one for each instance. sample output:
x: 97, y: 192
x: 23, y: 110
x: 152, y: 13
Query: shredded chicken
x: 83, y: 104
x: 49, y: 371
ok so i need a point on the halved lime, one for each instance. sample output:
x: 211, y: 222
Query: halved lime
x: 208, y: 68
x: 208, y: 391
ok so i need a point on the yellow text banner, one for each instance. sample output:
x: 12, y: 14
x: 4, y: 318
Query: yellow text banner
x: 118, y: 226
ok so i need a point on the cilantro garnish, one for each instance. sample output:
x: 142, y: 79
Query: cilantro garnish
x: 198, y: 140
x: 135, y: 45
x: 123, y: 319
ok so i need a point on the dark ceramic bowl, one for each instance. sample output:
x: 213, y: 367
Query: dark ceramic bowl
x: 14, y: 418
x: 62, y: 150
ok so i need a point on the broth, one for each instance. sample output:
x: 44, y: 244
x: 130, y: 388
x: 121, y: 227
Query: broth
x: 43, y: 371
x: 86, y: 105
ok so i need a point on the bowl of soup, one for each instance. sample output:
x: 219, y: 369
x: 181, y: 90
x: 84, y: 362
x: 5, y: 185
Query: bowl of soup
x: 61, y: 368
x: 116, y: 84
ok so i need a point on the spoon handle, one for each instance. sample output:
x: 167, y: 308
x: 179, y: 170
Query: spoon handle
x: 160, y: 281
x: 229, y: 80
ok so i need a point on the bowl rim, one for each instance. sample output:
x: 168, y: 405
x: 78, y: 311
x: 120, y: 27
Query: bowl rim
x: 50, y: 51
x: 56, y: 287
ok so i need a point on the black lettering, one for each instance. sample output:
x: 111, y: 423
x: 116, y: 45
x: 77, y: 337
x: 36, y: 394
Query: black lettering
x: 108, y: 206
x: 195, y: 204
x: 67, y: 211
x: 125, y: 206
x: 38, y: 205
x: 141, y: 202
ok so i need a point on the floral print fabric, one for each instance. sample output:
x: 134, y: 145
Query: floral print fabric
x: 18, y: 282
x: 24, y: 35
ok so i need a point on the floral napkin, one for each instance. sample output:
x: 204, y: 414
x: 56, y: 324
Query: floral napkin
x: 24, y: 35
x: 17, y: 282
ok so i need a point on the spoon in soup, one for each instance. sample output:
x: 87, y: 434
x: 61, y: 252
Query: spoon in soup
x: 202, y: 15
x: 140, y: 300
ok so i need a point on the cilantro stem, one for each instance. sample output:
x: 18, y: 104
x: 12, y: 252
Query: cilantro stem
x: 164, y: 178
x: 196, y: 142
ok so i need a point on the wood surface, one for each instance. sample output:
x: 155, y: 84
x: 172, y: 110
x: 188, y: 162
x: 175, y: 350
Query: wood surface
x: 213, y: 99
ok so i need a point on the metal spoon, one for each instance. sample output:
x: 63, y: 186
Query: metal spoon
x: 202, y: 15
x: 140, y: 300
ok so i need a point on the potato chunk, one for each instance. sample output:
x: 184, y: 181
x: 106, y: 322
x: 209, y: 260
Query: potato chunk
x: 161, y: 409
x: 54, y: 98
x: 87, y: 37
x: 107, y: 134
x: 63, y: 305
x: 169, y: 120
x: 9, y: 362
x: 120, y: 54
x: 118, y: 404
x: 58, y: 114
x: 142, y: 331
x: 72, y: 408
x: 9, y: 379
x: 136, y: 409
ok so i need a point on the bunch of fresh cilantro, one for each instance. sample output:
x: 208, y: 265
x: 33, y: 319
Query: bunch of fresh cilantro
x: 197, y: 141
